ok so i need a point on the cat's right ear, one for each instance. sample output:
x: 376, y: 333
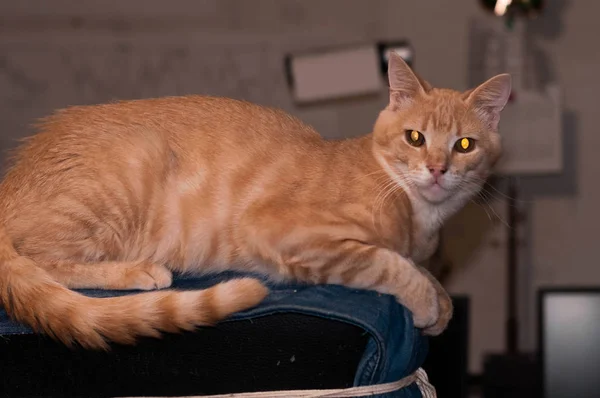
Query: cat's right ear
x: 404, y: 83
x: 490, y: 98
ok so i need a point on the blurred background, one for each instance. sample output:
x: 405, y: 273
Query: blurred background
x: 536, y: 227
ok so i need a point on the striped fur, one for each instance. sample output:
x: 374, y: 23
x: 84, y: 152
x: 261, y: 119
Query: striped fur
x: 118, y: 196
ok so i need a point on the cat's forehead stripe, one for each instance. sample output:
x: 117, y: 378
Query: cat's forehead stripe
x: 427, y: 122
x: 444, y: 119
x: 457, y: 125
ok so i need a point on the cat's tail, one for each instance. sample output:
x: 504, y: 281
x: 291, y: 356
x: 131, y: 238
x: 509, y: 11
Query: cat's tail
x: 30, y: 296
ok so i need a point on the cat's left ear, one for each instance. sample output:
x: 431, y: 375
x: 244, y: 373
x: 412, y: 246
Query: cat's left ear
x: 490, y: 98
x: 405, y: 85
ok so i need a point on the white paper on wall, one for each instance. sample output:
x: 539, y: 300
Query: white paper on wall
x: 531, y: 126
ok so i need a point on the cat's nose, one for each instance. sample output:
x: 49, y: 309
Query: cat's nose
x: 437, y: 171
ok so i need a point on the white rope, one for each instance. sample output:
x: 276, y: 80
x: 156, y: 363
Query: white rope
x: 427, y: 389
x: 419, y: 377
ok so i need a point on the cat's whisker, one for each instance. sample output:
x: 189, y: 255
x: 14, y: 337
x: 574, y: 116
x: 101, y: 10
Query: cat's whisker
x: 390, y: 193
x: 495, y: 196
x: 484, y: 209
x: 382, y: 173
x: 493, y: 210
x: 486, y: 184
x: 387, y: 190
x: 469, y: 184
x: 377, y: 200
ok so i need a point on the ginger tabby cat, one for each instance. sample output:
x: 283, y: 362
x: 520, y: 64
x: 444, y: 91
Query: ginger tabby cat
x: 118, y: 196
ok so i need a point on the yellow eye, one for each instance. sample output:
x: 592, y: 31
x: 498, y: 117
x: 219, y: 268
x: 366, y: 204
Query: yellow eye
x: 464, y: 145
x: 415, y: 138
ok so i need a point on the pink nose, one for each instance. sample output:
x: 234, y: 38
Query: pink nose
x: 437, y: 171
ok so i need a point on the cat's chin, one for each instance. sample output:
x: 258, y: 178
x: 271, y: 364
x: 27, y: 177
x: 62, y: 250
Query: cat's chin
x: 434, y: 194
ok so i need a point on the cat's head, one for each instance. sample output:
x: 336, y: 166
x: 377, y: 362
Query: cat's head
x: 440, y: 144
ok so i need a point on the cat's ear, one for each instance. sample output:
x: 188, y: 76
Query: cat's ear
x: 405, y: 85
x: 490, y: 98
x: 424, y: 83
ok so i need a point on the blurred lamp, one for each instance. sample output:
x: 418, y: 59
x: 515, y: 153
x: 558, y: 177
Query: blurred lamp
x: 527, y: 8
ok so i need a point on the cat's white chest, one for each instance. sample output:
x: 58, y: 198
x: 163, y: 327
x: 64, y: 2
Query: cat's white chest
x: 427, y: 222
x: 424, y: 245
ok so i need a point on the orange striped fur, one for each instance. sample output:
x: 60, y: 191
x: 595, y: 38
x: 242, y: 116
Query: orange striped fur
x: 118, y: 196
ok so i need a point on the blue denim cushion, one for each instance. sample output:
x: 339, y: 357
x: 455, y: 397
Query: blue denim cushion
x: 395, y: 348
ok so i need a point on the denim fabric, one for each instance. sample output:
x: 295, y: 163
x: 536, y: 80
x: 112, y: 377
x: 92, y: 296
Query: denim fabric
x: 395, y: 348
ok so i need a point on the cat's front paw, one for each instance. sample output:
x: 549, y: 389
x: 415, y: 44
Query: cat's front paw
x: 445, y: 306
x: 424, y: 304
x: 446, y: 310
x: 147, y: 276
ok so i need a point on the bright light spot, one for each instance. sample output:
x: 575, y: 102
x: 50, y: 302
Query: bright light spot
x: 501, y: 6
